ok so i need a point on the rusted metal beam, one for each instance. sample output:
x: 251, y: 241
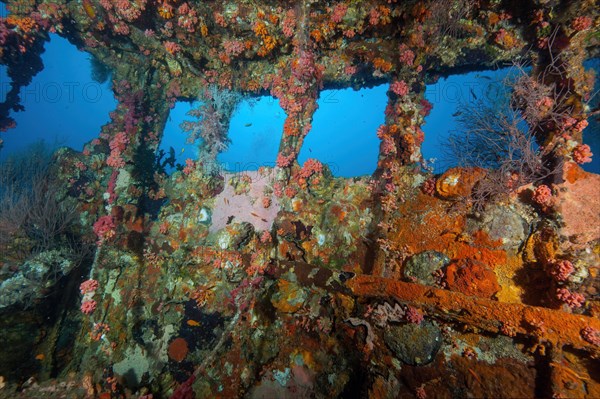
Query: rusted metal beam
x: 554, y: 327
x: 549, y: 326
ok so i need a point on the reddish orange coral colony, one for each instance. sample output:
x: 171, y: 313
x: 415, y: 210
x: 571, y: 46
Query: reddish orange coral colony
x: 178, y: 349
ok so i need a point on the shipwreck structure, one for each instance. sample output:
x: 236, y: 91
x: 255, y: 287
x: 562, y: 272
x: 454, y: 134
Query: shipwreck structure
x: 288, y: 281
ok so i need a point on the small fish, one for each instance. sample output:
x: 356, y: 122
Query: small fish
x: 40, y: 357
x: 473, y: 94
x: 182, y: 150
x: 457, y: 113
x: 89, y: 9
x: 264, y: 220
x: 226, y: 201
x: 484, y: 77
x: 193, y: 323
x: 248, y: 125
x: 254, y: 214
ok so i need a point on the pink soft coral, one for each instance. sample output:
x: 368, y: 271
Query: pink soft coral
x: 119, y: 142
x: 400, y: 88
x: 310, y: 167
x: 338, y: 12
x: 582, y: 23
x: 117, y: 145
x: 388, y: 146
x: 542, y: 195
x: 283, y: 161
x: 407, y: 56
x: 172, y: 47
x: 190, y: 165
x: 88, y: 286
x: 289, y: 23
x: 88, y: 307
x: 582, y: 154
x: 428, y: 186
x: 413, y: 315
x: 591, y: 335
x: 572, y: 299
x: 104, y: 227
x: 562, y: 270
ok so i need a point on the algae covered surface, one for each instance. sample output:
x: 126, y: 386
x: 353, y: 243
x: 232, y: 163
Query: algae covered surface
x: 125, y: 274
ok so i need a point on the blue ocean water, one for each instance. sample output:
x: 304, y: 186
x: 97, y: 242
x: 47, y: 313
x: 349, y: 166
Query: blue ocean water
x: 343, y: 133
x: 449, y: 96
x: 174, y: 137
x: 63, y: 105
x: 591, y: 135
x: 4, y: 81
x: 254, y: 132
x: 344, y: 130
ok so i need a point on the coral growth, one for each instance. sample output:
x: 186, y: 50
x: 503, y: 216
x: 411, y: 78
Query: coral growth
x: 104, y: 228
x: 571, y: 299
x: 561, y: 270
x: 289, y: 281
x: 88, y: 307
x: 582, y: 154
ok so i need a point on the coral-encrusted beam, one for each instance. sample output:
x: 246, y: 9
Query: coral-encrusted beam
x: 550, y: 326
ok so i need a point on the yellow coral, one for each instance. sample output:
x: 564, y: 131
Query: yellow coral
x: 165, y: 11
x: 25, y: 24
x: 316, y: 35
x: 382, y: 65
x: 268, y: 44
x: 260, y: 29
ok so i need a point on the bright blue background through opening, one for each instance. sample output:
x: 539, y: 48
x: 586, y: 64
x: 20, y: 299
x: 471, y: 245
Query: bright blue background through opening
x: 63, y: 105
